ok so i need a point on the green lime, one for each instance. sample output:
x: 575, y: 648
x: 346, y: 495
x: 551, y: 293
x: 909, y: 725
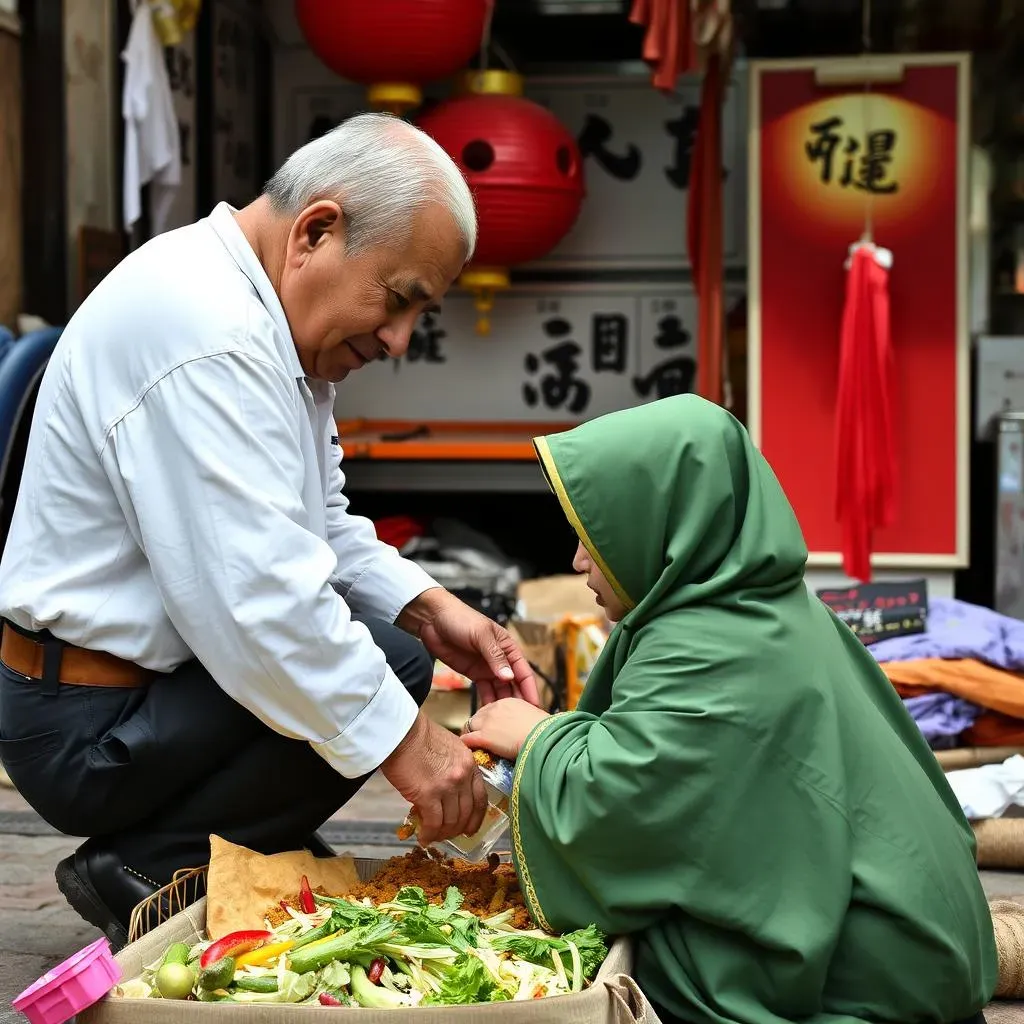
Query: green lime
x: 175, y: 981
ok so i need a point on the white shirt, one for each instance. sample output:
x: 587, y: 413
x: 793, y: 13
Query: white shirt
x: 182, y: 495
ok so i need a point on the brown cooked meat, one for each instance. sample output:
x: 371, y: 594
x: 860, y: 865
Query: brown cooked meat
x: 488, y: 889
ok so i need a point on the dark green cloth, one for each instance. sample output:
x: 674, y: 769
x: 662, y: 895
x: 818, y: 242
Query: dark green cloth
x: 740, y: 788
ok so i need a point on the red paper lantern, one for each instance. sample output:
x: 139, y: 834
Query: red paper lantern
x: 524, y: 168
x: 393, y: 46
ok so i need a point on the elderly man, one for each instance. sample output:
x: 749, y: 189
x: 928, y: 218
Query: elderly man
x: 198, y: 635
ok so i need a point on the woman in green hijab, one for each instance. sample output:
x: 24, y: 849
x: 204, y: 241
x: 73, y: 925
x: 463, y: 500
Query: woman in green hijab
x: 740, y: 788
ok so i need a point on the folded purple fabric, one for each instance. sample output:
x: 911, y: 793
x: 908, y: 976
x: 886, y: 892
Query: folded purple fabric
x: 942, y: 717
x: 957, y: 629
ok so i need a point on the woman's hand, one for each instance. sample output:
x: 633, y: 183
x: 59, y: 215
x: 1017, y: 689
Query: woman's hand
x: 502, y: 727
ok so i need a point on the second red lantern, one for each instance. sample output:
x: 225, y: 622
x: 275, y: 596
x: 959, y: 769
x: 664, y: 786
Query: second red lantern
x: 393, y: 46
x: 525, y: 171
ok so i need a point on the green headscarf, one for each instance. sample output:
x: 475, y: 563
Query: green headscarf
x: 740, y: 788
x: 707, y: 518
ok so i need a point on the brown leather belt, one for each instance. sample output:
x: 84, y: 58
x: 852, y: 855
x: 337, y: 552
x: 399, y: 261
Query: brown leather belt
x: 78, y: 667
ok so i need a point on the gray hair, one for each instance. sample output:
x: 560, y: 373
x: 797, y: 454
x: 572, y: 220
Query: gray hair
x: 381, y: 170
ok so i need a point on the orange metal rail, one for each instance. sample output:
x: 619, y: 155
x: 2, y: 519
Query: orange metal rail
x: 442, y: 440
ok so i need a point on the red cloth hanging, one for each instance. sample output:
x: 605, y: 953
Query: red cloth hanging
x: 704, y: 230
x: 669, y: 42
x: 865, y: 441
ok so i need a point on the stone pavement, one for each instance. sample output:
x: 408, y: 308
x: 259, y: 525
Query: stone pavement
x: 38, y: 929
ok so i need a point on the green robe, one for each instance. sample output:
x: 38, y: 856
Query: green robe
x: 740, y: 788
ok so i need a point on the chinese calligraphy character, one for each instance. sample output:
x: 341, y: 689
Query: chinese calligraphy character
x: 873, y: 170
x: 608, y: 342
x: 824, y: 145
x: 593, y: 140
x: 671, y: 333
x: 674, y: 376
x: 561, y: 387
x: 683, y: 129
x: 865, y: 167
x: 425, y: 343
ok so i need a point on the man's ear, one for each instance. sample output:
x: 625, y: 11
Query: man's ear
x: 319, y: 223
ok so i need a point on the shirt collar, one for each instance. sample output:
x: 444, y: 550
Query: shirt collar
x: 232, y: 237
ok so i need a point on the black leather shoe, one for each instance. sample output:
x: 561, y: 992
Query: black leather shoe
x: 103, y: 890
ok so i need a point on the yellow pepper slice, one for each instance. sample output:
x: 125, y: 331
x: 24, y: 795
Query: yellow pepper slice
x: 264, y: 954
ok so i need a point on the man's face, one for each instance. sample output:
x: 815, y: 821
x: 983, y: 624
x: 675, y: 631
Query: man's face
x: 346, y: 311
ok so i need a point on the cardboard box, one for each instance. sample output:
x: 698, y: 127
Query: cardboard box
x: 556, y: 623
x: 613, y: 998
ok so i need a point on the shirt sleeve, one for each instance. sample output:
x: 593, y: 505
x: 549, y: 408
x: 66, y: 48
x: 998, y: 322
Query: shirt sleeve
x: 209, y: 472
x: 372, y: 576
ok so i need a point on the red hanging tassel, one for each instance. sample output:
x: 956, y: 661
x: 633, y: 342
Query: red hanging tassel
x: 865, y: 442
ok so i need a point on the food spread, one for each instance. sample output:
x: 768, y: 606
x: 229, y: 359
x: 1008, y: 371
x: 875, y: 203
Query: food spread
x: 424, y: 931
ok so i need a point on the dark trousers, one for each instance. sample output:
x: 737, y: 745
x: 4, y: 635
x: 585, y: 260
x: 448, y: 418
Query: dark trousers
x: 154, y: 771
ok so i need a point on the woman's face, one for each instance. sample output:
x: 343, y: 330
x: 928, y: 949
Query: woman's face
x: 603, y: 593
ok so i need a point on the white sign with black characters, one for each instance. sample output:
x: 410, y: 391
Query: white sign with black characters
x: 637, y: 144
x: 551, y: 355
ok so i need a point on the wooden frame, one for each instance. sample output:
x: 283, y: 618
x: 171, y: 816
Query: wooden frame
x: 853, y: 70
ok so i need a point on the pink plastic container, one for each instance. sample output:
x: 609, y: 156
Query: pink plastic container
x: 83, y: 979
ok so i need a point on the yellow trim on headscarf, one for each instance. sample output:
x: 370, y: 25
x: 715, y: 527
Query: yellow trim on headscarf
x: 529, y: 889
x: 555, y: 482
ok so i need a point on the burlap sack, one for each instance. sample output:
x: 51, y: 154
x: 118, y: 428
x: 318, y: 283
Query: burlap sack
x: 1008, y: 923
x: 1000, y: 843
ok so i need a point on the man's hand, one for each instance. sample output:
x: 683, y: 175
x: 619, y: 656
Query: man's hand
x: 438, y: 776
x: 502, y: 727
x: 471, y: 644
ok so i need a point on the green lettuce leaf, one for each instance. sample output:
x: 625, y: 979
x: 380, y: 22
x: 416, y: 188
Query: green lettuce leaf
x: 589, y: 941
x: 468, y: 981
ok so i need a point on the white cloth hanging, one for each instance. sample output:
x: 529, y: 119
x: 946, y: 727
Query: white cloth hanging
x: 152, y: 145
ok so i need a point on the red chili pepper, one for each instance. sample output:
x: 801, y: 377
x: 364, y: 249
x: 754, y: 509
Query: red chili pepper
x: 375, y: 971
x: 326, y: 999
x: 234, y: 945
x: 306, y: 897
x: 284, y: 905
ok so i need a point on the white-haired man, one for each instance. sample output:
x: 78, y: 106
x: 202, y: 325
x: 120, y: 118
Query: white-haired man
x: 199, y: 638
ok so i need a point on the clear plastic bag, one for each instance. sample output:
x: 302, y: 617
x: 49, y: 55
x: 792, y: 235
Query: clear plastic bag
x: 498, y: 775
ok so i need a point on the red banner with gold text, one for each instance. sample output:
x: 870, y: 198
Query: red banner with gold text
x: 824, y: 157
